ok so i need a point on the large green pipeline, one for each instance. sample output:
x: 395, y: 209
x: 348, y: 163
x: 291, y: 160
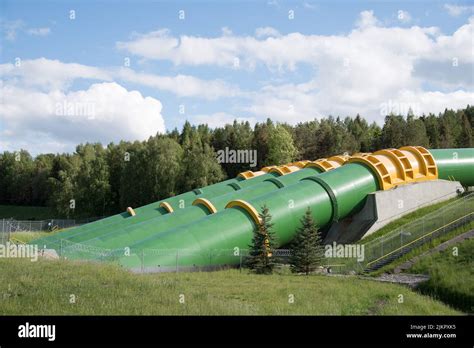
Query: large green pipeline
x: 333, y: 195
x: 148, y: 212
x: 455, y: 164
x: 128, y: 235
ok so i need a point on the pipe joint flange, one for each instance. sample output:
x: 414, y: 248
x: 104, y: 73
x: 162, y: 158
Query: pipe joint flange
x: 235, y: 186
x: 331, y: 194
x: 275, y: 181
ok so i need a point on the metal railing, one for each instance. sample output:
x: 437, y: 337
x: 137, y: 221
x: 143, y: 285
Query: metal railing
x: 398, y: 241
x: 403, y: 239
x: 12, y: 225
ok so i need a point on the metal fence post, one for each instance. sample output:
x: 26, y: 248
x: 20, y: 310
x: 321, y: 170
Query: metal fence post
x: 177, y: 257
x: 381, y: 245
x: 240, y: 262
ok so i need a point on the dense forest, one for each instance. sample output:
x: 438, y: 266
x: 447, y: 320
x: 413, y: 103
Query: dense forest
x: 97, y: 180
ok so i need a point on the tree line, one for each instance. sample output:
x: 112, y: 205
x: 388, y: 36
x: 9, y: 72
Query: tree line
x: 99, y: 180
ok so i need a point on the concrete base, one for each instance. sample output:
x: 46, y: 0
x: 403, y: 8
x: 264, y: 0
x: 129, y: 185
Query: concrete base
x: 382, y: 207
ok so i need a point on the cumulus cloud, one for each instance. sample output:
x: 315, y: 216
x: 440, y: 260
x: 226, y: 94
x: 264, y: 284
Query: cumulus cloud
x: 456, y: 10
x: 11, y: 28
x: 181, y: 85
x: 354, y: 73
x: 55, y: 118
x: 362, y: 71
x: 266, y: 31
x: 367, y: 19
x: 57, y: 121
x: 39, y: 31
x: 47, y: 74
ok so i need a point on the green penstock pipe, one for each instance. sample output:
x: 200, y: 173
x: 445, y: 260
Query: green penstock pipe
x: 122, y: 237
x: 455, y: 164
x: 146, y: 212
x: 214, y: 239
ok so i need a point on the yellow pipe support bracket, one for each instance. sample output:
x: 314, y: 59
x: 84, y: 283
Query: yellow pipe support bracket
x: 428, y: 167
x: 131, y: 211
x: 323, y: 164
x: 267, y: 169
x: 400, y: 166
x: 206, y: 203
x: 246, y: 175
x: 249, y: 174
x: 341, y: 159
x: 247, y: 207
x: 283, y: 170
x: 300, y: 164
x: 167, y: 207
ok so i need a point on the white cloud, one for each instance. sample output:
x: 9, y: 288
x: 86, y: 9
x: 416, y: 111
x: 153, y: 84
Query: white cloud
x: 350, y: 73
x: 47, y: 74
x: 266, y: 31
x: 353, y: 73
x: 456, y: 10
x: 57, y: 121
x: 11, y: 28
x: 367, y: 19
x: 39, y: 31
x: 180, y: 85
x: 226, y: 31
x: 310, y: 6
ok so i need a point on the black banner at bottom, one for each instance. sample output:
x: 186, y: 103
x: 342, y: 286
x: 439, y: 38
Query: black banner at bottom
x: 328, y: 330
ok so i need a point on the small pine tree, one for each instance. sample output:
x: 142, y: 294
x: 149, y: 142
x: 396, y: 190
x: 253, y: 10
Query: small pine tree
x: 307, y: 250
x: 260, y: 258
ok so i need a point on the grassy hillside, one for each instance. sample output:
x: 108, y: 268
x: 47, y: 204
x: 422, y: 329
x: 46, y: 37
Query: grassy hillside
x: 452, y: 277
x: 20, y: 212
x: 425, y: 247
x: 45, y: 287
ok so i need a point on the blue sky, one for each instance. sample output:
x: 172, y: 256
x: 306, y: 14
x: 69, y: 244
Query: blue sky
x: 67, y: 80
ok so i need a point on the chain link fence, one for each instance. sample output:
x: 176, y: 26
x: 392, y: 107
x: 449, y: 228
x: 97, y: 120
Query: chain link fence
x: 401, y: 240
x: 11, y: 225
x: 413, y: 234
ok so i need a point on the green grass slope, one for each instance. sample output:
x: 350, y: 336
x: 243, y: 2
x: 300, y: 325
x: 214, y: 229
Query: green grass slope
x: 452, y: 276
x: 46, y: 287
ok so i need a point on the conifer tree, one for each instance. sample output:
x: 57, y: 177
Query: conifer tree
x: 307, y: 250
x: 261, y: 260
